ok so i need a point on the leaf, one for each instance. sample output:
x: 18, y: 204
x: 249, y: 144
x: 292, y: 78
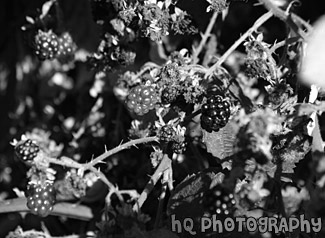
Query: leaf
x: 70, y: 210
x: 186, y: 199
x: 189, y: 191
x: 318, y: 143
x: 313, y: 63
x: 46, y: 8
x: 221, y: 144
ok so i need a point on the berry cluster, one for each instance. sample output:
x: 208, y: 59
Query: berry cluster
x: 166, y: 133
x: 142, y: 99
x: 219, y: 200
x: 215, y: 112
x: 41, y: 198
x: 49, y: 46
x: 179, y: 145
x: 27, y: 150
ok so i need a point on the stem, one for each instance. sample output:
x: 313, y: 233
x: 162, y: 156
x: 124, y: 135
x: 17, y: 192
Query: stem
x: 118, y: 149
x: 287, y: 18
x: 260, y: 21
x: 160, y: 205
x: 204, y: 38
x: 164, y: 164
x: 280, y: 44
x: 188, y: 118
x: 110, y: 186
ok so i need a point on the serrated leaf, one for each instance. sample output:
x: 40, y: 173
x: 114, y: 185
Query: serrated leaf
x: 313, y: 63
x: 221, y: 144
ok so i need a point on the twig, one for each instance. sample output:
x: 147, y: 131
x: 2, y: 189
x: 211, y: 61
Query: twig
x: 260, y: 21
x: 205, y: 37
x: 164, y: 164
x: 280, y: 44
x: 67, y: 162
x: 287, y: 18
x: 110, y: 186
x: 118, y: 149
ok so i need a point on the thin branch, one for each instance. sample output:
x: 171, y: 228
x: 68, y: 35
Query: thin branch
x: 118, y: 149
x: 204, y: 38
x: 287, y: 18
x: 164, y: 164
x: 260, y: 21
x: 287, y: 41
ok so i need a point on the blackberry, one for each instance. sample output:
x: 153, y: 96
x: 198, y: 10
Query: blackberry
x: 27, y: 150
x: 41, y: 198
x: 142, y: 99
x: 219, y: 200
x: 215, y: 113
x: 166, y: 133
x: 179, y: 146
x: 66, y: 47
x: 46, y: 45
x: 169, y: 95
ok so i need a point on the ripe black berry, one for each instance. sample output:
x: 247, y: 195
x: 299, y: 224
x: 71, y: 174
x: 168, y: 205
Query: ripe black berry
x: 169, y: 95
x: 66, y: 47
x: 46, y: 45
x: 166, y: 133
x: 215, y: 113
x: 142, y: 99
x: 27, y: 150
x: 219, y: 200
x: 41, y: 198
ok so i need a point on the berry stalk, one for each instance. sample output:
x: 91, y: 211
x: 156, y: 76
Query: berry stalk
x: 260, y: 21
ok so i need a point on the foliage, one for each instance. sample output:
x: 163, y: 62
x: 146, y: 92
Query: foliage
x: 104, y: 93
